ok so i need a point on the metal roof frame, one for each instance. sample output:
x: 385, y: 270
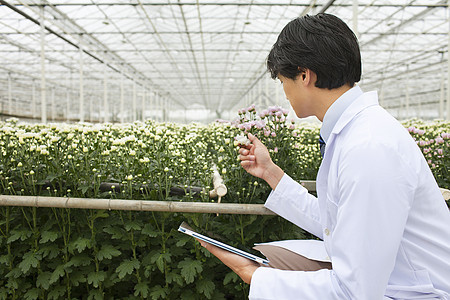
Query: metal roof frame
x: 180, y: 55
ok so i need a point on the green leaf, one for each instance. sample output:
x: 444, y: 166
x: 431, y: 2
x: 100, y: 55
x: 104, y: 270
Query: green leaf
x: 4, y: 259
x: 79, y: 260
x: 3, y: 293
x: 141, y: 289
x: 101, y: 214
x: 83, y: 188
x: 127, y: 267
x: 135, y: 225
x: 12, y: 284
x: 51, y: 177
x: 183, y: 240
x: 174, y: 277
x: 218, y: 295
x: 21, y: 234
x: 205, y: 287
x: 149, y: 230
x: 95, y: 295
x: 95, y: 278
x: 107, y: 252
x: 49, y: 251
x: 14, y: 273
x: 77, y: 277
x: 230, y: 277
x: 188, y: 295
x: 160, y: 258
x: 30, y: 260
x: 189, y: 269
x: 57, y: 293
x: 115, y: 232
x: 57, y: 273
x: 80, y: 244
x: 48, y: 236
x: 43, y: 280
x: 32, y: 294
x: 158, y: 292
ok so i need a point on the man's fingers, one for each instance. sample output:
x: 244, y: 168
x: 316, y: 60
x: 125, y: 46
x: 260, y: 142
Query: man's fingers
x: 247, y: 158
x: 247, y: 163
x: 244, y: 151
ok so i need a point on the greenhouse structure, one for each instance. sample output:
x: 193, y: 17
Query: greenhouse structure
x: 124, y: 124
x: 183, y: 61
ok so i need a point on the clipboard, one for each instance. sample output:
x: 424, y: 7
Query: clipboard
x: 184, y: 228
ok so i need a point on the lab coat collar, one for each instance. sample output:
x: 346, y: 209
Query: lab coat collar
x: 336, y: 109
x: 362, y: 102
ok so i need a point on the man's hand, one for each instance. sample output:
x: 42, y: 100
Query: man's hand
x: 240, y: 265
x: 255, y: 159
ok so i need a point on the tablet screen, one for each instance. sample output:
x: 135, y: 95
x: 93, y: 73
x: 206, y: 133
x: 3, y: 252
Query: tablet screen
x: 184, y: 228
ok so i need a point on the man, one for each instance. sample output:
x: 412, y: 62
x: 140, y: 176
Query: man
x: 382, y: 218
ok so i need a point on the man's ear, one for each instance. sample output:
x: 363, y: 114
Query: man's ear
x: 305, y: 75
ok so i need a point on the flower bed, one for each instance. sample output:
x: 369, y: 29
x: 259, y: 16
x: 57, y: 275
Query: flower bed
x: 53, y: 253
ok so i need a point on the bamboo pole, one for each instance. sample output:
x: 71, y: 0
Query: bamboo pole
x: 136, y: 205
x: 144, y: 205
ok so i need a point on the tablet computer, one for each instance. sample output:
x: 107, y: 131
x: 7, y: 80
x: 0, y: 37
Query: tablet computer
x: 184, y: 228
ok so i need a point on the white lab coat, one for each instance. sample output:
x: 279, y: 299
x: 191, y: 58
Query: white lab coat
x: 379, y: 211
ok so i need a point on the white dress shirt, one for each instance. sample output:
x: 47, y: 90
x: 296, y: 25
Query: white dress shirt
x: 383, y: 220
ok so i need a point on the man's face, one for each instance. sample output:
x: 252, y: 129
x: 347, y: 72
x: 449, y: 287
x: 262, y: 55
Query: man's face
x: 296, y: 93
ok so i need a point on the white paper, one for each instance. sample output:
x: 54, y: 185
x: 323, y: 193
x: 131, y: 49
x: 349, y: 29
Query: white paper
x: 312, y: 249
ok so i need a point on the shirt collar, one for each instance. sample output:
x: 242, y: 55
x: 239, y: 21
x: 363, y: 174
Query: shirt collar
x: 336, y: 109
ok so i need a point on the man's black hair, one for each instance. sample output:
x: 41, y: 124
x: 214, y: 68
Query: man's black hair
x: 322, y: 43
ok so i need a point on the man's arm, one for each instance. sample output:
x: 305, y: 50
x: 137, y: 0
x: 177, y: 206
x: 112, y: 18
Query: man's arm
x: 288, y: 199
x: 255, y: 159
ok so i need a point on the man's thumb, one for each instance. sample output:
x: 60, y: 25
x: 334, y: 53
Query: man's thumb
x: 253, y: 139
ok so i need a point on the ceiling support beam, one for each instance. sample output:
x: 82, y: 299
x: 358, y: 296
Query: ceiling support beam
x: 43, y: 83
x: 268, y: 3
x: 448, y: 62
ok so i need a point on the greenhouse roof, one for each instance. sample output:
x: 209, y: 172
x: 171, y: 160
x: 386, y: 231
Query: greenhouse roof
x: 189, y: 54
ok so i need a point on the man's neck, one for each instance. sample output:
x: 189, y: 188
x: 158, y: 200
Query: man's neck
x: 325, y: 98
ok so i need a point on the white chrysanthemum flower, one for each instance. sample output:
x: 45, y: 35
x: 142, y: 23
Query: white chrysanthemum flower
x: 241, y: 140
x: 144, y: 160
